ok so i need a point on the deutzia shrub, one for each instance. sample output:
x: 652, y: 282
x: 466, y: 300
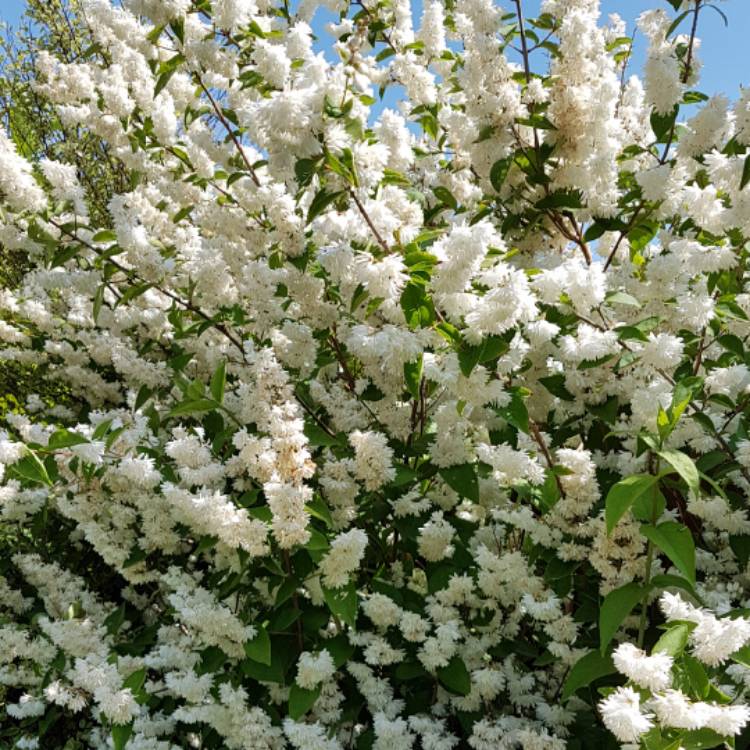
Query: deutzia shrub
x: 387, y: 427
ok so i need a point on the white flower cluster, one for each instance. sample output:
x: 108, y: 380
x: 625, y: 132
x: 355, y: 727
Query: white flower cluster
x: 373, y: 420
x: 628, y: 719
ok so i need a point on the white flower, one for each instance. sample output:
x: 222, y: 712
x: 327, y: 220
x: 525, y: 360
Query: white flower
x: 435, y: 538
x: 650, y: 672
x: 372, y: 458
x: 713, y: 640
x: 622, y: 715
x: 312, y: 669
x: 343, y: 558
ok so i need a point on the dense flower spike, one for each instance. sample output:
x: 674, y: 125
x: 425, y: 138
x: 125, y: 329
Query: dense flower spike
x: 380, y: 425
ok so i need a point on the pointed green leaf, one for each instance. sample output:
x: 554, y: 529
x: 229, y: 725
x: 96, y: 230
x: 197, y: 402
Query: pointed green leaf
x: 190, y: 407
x: 468, y: 358
x: 555, y: 384
x: 136, y: 680
x: 617, y: 605
x: 623, y: 298
x: 218, y: 382
x: 622, y: 495
x: 588, y: 668
x: 30, y: 467
x: 259, y: 649
x: 343, y: 603
x: 98, y: 301
x: 121, y: 734
x: 320, y: 202
x: 301, y: 700
x: 674, y: 639
x: 684, y: 466
x: 413, y: 376
x: 745, y: 173
x: 499, y: 172
x: 676, y: 542
x: 462, y: 479
x: 455, y: 677
x: 65, y: 439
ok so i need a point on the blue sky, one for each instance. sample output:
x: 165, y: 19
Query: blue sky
x: 725, y: 51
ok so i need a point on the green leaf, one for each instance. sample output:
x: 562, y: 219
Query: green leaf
x: 264, y: 672
x: 594, y: 232
x: 115, y: 619
x: 733, y: 343
x: 561, y: 199
x: 622, y: 298
x: 98, y: 301
x: 259, y: 649
x: 343, y: 603
x: 701, y: 739
x: 683, y: 394
x: 650, y: 505
x: 178, y: 27
x: 445, y: 196
x: 121, y: 734
x: 492, y: 348
x: 684, y: 466
x: 192, y: 406
x: 555, y: 384
x: 588, y: 668
x: 136, y: 555
x: 132, y: 292
x: 144, y: 394
x: 742, y: 656
x: 462, y: 479
x: 317, y: 508
x: 31, y: 468
x: 662, y: 124
x: 218, y: 382
x: 417, y: 306
x: 359, y: 296
x: 321, y: 201
x: 745, y: 173
x: 384, y: 54
x: 676, y: 541
x: 106, y: 235
x: 213, y: 659
x: 617, y: 605
x: 135, y: 681
x: 674, y: 640
x: 455, y: 677
x: 515, y: 412
x: 301, y: 700
x: 317, y: 541
x: 318, y: 436
x: 304, y: 170
x: 163, y: 80
x: 468, y: 358
x: 622, y: 495
x: 413, y: 376
x: 663, y: 423
x: 340, y: 649
x: 641, y: 235
x: 63, y: 255
x: 499, y: 172
x: 65, y: 439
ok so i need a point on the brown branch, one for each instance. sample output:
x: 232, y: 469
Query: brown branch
x: 383, y: 244
x: 230, y: 130
x: 539, y: 439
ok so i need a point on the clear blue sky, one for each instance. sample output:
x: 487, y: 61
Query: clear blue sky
x: 725, y: 51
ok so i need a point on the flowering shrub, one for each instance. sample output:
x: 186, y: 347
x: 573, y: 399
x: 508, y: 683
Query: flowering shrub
x: 387, y: 428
